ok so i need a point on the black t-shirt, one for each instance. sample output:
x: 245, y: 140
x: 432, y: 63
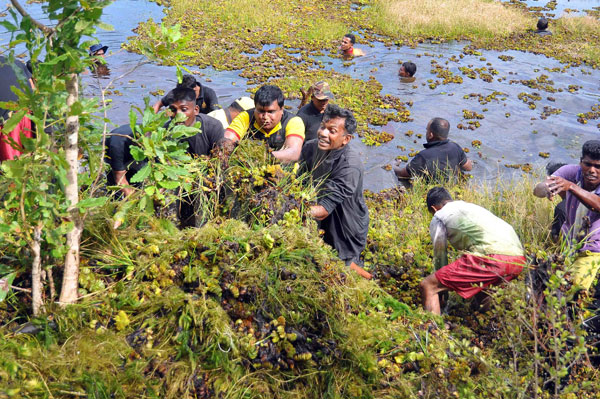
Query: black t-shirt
x: 439, y: 159
x: 207, y: 100
x: 211, y: 133
x: 8, y: 78
x: 312, y: 119
x: 118, y: 154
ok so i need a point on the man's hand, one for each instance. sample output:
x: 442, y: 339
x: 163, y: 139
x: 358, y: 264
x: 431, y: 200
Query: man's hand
x: 318, y: 212
x: 399, y: 171
x: 558, y: 185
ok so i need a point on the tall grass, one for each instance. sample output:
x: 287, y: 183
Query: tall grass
x: 451, y: 19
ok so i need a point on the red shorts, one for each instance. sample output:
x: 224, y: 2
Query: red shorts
x: 470, y: 274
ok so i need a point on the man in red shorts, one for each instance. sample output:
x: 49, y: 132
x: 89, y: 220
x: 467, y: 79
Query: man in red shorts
x: 493, y: 253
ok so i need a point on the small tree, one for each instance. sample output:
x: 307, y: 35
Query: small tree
x: 44, y: 204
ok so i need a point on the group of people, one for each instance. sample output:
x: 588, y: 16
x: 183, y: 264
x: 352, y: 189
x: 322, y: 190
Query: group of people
x: 318, y: 138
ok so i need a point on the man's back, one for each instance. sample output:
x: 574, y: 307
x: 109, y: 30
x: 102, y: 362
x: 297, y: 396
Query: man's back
x: 474, y: 229
x: 438, y: 159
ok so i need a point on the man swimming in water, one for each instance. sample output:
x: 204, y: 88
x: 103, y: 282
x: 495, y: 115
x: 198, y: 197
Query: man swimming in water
x: 347, y: 47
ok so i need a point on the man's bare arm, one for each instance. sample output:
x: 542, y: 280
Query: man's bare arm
x: 560, y: 186
x: 290, y: 152
x: 121, y: 180
x: 467, y: 166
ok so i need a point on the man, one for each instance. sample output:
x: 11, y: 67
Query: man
x: 542, y: 26
x: 312, y: 113
x: 227, y: 115
x: 10, y: 74
x: 493, y: 252
x: 347, y: 47
x: 441, y: 157
x: 407, y: 72
x: 118, y: 156
x: 579, y: 186
x: 210, y: 135
x: 98, y: 50
x: 206, y: 98
x: 124, y: 167
x: 338, y: 170
x: 268, y: 121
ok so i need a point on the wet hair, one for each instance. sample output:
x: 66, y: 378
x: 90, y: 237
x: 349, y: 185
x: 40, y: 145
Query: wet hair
x: 351, y: 37
x: 183, y: 94
x: 188, y: 82
x: 437, y: 196
x: 439, y: 127
x: 553, y: 167
x: 542, y: 24
x: 591, y: 149
x: 410, y: 68
x: 235, y: 105
x: 334, y: 111
x: 267, y: 94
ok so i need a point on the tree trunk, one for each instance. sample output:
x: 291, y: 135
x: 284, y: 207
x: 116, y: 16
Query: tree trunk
x: 36, y: 271
x: 70, y: 283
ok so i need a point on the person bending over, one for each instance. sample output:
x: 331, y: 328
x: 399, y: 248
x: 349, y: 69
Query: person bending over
x: 268, y: 121
x: 492, y: 251
x: 441, y: 158
x: 579, y: 186
x: 338, y: 170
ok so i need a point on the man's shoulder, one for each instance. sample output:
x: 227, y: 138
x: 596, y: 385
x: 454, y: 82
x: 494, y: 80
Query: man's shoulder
x: 352, y: 158
x: 568, y: 172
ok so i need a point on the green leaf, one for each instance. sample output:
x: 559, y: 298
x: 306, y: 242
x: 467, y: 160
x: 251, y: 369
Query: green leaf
x: 14, y: 120
x: 5, y: 283
x: 141, y: 175
x: 91, y: 203
x: 169, y: 185
x: 105, y: 26
x: 137, y: 153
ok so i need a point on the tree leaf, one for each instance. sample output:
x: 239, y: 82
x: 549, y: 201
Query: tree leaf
x: 91, y: 203
x: 141, y: 175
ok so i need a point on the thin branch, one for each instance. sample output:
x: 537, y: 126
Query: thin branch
x: 105, y: 134
x: 47, y: 30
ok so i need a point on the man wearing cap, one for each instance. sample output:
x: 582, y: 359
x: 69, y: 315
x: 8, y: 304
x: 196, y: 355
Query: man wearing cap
x: 226, y: 115
x: 206, y: 98
x: 268, y: 121
x: 98, y: 50
x: 312, y: 113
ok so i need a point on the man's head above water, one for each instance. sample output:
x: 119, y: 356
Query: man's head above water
x: 407, y: 70
x: 184, y: 101
x: 542, y: 24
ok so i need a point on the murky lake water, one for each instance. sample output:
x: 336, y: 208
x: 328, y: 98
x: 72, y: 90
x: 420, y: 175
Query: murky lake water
x: 573, y: 6
x: 514, y: 139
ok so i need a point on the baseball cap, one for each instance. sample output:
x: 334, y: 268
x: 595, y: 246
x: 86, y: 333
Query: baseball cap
x: 321, y: 91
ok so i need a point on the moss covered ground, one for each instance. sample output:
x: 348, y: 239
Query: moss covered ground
x: 258, y: 306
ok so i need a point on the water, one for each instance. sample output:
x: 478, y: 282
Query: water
x: 517, y: 139
x: 576, y: 7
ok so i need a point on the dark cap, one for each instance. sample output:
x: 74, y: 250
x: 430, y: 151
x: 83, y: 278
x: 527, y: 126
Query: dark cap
x: 321, y: 91
x: 98, y: 47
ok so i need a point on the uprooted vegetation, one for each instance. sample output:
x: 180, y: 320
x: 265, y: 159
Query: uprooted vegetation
x: 261, y: 307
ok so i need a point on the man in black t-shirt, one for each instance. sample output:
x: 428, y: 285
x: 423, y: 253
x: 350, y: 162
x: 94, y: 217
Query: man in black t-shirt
x: 124, y: 167
x: 206, y: 98
x: 441, y: 157
x: 312, y: 113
